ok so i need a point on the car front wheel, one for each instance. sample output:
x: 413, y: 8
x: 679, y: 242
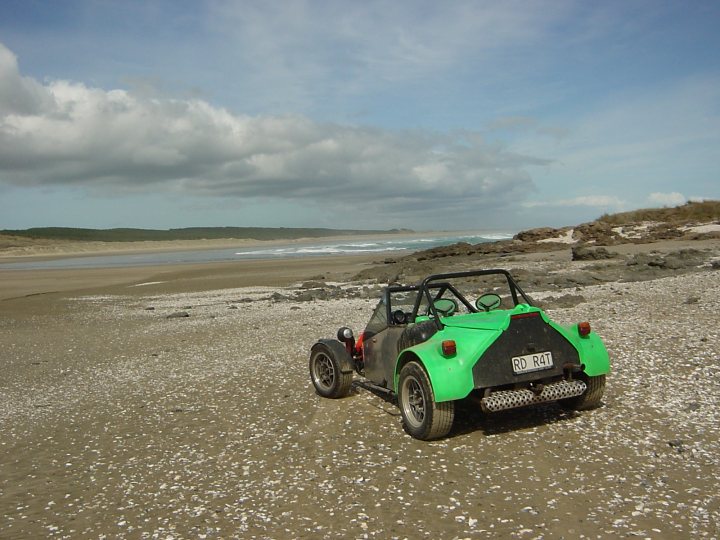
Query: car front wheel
x: 326, y: 371
x: 422, y: 416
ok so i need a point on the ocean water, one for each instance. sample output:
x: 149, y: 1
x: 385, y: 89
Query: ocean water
x: 317, y: 248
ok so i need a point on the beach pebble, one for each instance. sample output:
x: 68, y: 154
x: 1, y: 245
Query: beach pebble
x: 221, y: 435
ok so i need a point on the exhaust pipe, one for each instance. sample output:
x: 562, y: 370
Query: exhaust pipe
x: 511, y: 399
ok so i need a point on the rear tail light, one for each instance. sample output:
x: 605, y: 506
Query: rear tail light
x: 449, y: 348
x: 584, y: 328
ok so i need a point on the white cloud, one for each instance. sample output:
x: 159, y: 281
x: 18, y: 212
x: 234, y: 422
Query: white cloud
x: 64, y: 133
x: 667, y: 199
x: 21, y: 95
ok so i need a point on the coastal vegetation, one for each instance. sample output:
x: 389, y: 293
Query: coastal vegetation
x: 697, y: 212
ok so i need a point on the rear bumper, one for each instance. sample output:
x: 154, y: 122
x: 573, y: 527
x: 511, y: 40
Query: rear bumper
x: 510, y: 399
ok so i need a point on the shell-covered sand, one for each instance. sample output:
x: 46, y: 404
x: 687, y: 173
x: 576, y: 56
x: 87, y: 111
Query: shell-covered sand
x: 119, y: 422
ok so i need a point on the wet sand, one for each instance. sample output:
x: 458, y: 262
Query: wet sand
x: 179, y: 278
x: 119, y: 421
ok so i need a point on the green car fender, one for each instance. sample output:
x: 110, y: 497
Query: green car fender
x: 451, y: 376
x: 591, y: 349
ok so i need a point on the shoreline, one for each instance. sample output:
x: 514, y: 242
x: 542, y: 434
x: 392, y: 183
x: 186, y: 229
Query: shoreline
x: 17, y: 285
x: 39, y: 250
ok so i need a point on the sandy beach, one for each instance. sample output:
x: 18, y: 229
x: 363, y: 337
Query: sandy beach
x: 178, y: 277
x: 121, y: 418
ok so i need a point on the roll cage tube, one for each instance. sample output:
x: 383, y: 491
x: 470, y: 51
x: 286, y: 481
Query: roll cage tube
x: 427, y: 284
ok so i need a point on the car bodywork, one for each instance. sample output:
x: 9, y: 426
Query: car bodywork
x: 502, y: 349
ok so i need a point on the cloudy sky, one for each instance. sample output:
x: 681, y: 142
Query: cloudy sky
x: 464, y: 115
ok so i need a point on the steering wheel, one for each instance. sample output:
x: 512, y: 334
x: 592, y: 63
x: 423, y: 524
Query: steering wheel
x: 399, y: 316
x: 488, y: 301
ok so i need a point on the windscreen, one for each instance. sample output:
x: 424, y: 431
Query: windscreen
x: 378, y: 321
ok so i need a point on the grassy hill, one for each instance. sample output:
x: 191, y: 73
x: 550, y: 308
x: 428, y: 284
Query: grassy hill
x: 691, y: 212
x: 190, y: 233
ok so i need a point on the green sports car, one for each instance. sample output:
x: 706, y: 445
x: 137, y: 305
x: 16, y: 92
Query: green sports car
x: 430, y: 345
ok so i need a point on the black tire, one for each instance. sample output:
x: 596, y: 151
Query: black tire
x: 423, y: 418
x: 591, y: 398
x: 416, y: 333
x: 329, y: 370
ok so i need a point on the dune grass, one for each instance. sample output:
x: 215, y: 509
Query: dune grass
x: 691, y: 212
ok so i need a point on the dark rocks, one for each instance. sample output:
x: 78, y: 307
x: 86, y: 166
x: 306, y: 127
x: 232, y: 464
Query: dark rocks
x: 326, y: 292
x: 684, y: 258
x: 540, y: 233
x: 644, y: 259
x: 577, y: 279
x: 584, y: 253
x: 597, y: 232
x: 313, y: 290
x: 677, y: 260
x: 309, y: 296
x: 665, y: 231
x: 677, y: 445
x: 178, y: 315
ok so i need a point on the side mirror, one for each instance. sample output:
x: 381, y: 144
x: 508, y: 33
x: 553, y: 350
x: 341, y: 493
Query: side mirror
x: 488, y: 301
x: 445, y: 306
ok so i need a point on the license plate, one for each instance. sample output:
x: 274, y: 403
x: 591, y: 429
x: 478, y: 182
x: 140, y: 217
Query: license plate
x: 532, y: 362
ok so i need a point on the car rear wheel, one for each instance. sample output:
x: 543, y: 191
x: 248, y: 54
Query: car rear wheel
x: 326, y: 372
x: 589, y: 399
x: 422, y: 416
x: 416, y: 333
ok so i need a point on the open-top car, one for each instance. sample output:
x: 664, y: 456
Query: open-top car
x: 458, y: 334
